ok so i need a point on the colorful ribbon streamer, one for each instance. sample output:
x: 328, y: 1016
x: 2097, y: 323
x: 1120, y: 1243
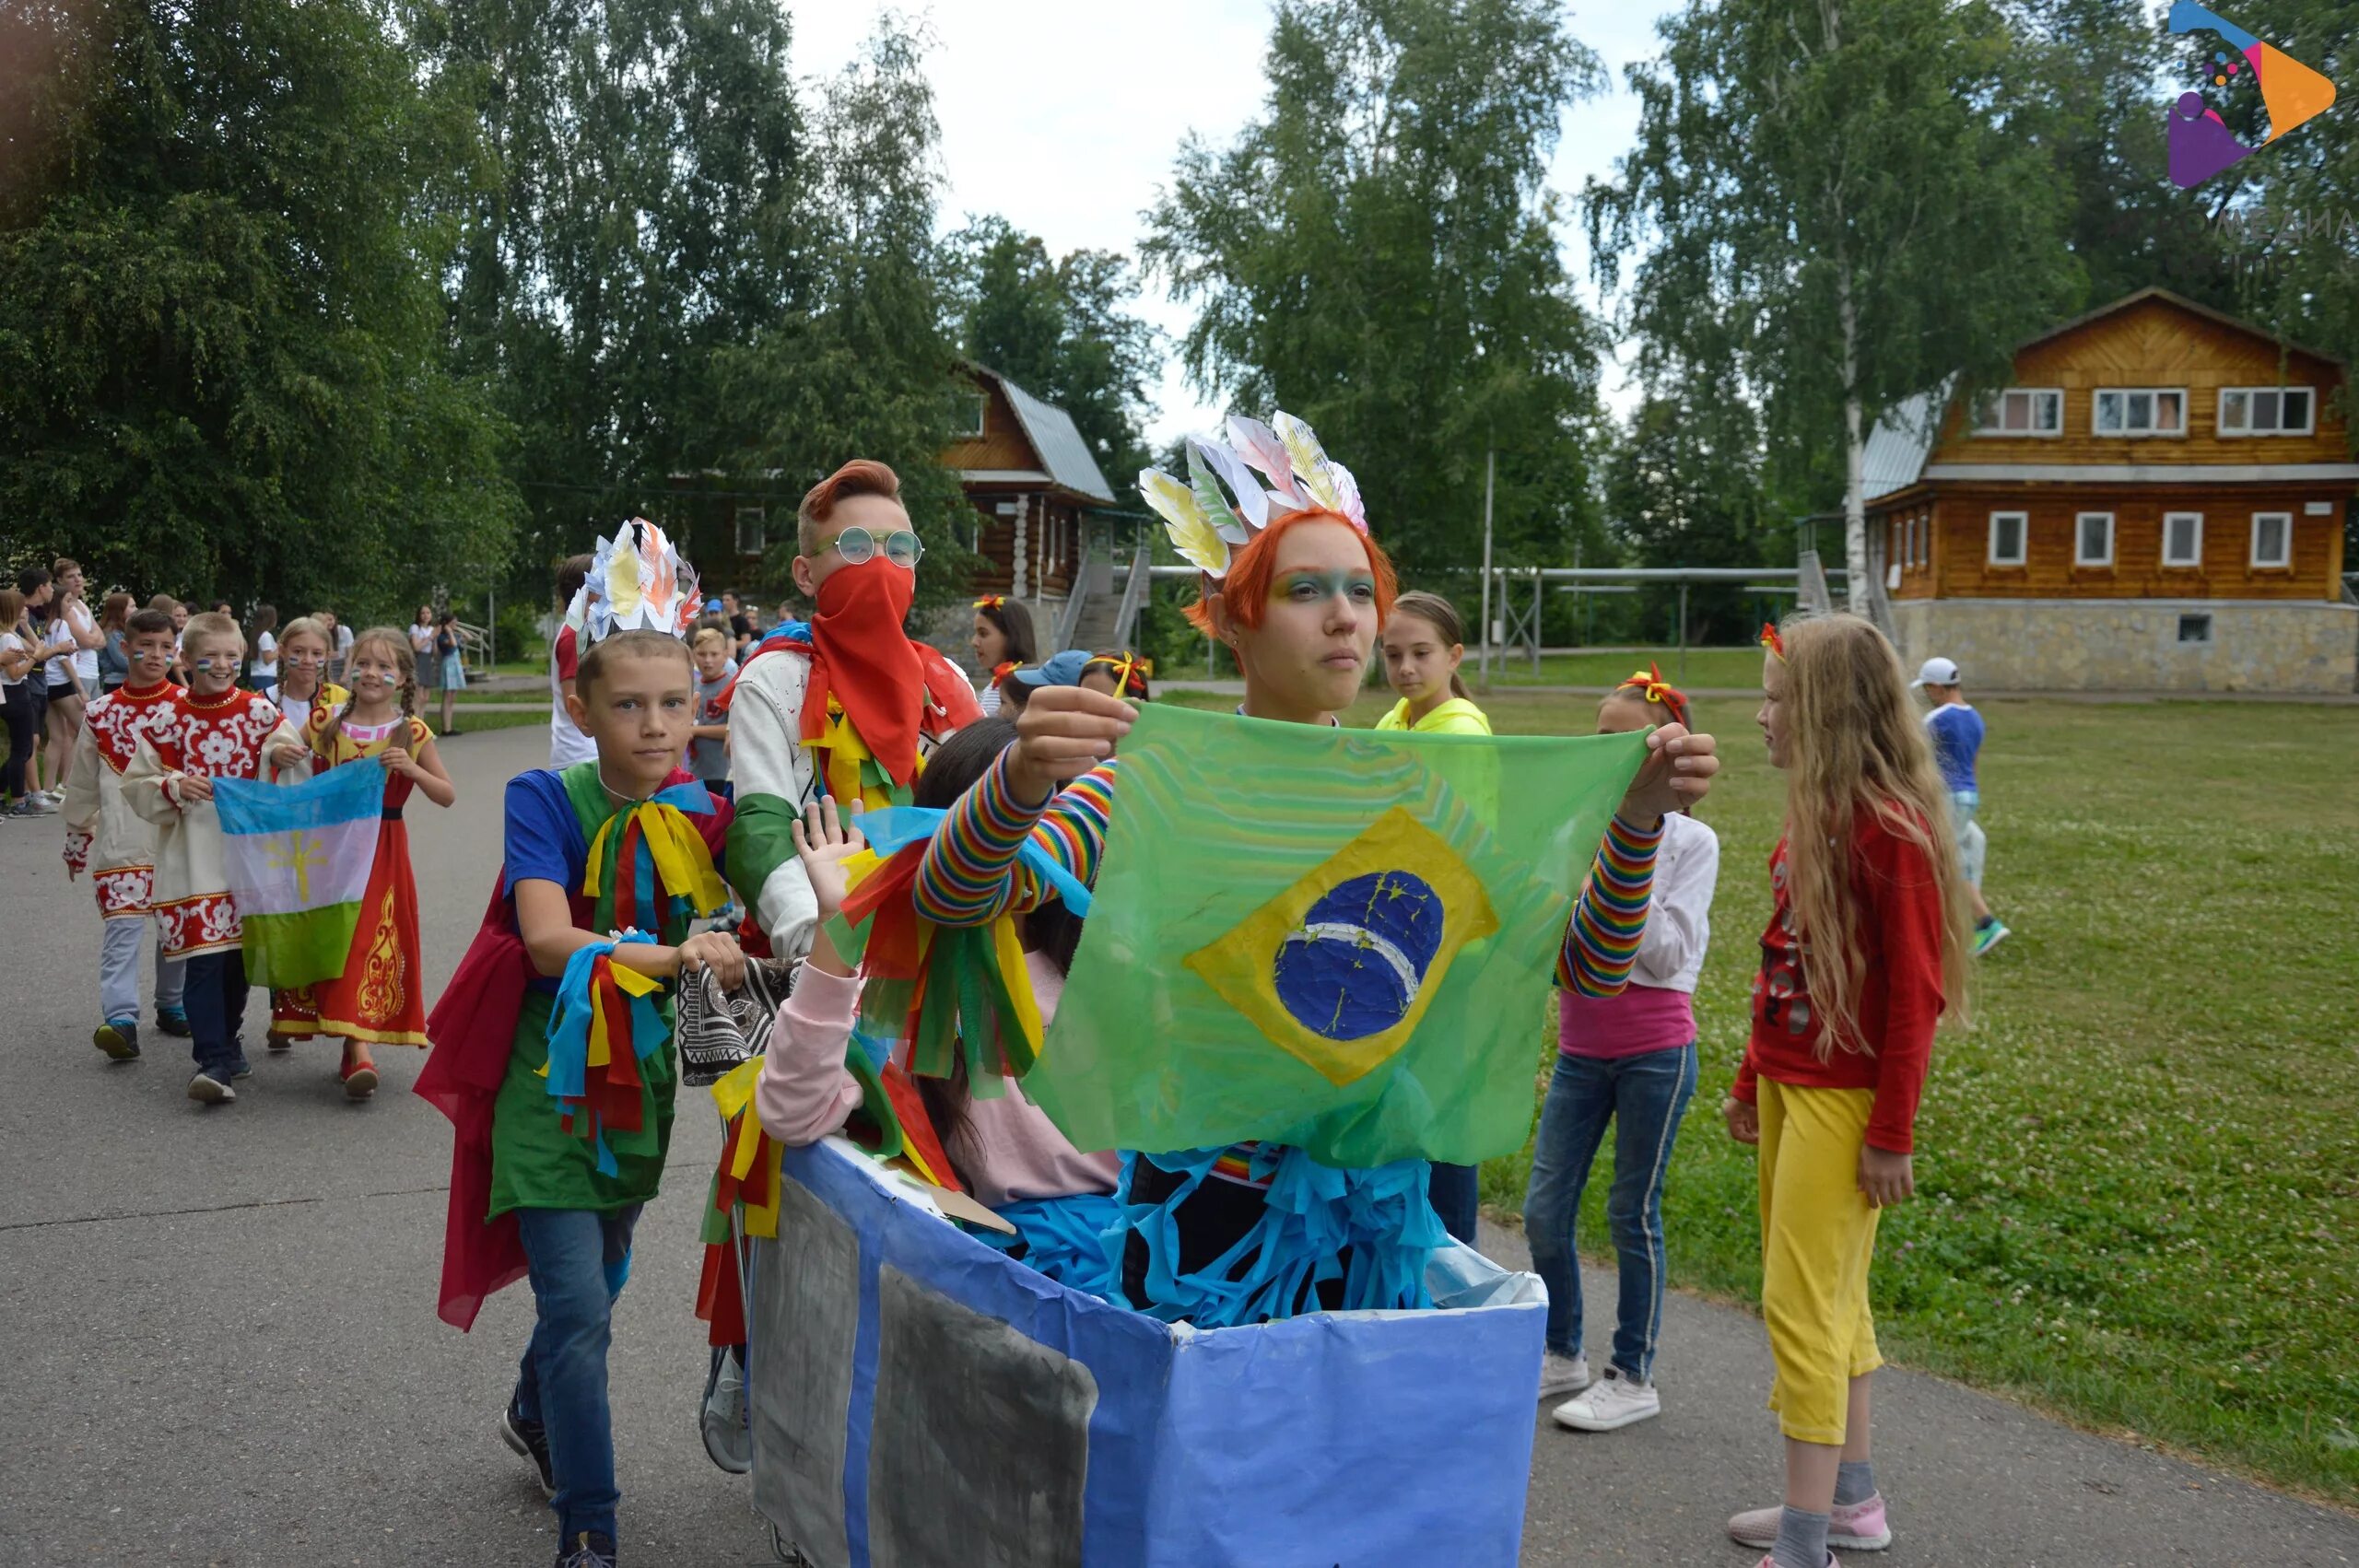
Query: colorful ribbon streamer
x: 605, y: 1023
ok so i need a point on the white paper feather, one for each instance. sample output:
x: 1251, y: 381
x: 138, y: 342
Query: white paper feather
x: 1259, y: 446
x: 1252, y: 502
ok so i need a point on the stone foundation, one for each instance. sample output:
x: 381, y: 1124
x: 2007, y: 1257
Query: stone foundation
x: 2125, y: 645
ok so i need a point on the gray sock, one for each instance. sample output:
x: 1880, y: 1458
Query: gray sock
x: 1801, y: 1539
x: 1855, y: 1482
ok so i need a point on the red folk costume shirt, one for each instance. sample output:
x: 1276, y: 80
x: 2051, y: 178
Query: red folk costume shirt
x: 1899, y: 932
x: 103, y: 836
x: 223, y: 737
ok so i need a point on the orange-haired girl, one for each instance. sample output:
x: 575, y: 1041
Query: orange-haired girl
x: 1866, y: 949
x: 379, y: 999
x: 1299, y: 600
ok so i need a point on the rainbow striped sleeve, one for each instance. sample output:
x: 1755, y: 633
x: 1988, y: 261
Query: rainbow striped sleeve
x: 1601, y: 943
x: 971, y: 875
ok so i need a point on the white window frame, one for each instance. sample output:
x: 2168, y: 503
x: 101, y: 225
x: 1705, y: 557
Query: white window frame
x: 982, y: 418
x: 2245, y: 431
x: 2287, y: 561
x: 1996, y: 401
x: 1925, y: 540
x: 2023, y: 539
x: 2080, y: 557
x: 2194, y: 560
x: 758, y: 516
x: 2097, y: 402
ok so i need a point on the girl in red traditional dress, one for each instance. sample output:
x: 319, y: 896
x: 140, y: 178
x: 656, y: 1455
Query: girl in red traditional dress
x: 379, y: 999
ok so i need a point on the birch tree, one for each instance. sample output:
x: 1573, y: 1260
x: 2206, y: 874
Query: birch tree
x: 1840, y: 204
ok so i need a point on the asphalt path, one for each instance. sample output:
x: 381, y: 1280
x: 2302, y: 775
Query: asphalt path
x: 219, y: 1347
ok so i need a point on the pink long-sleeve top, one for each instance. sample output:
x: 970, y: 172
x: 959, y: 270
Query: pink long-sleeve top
x: 1009, y: 1150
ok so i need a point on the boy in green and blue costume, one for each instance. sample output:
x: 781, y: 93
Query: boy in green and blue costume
x: 554, y: 1053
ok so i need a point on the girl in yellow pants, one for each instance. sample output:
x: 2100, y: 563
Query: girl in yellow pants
x: 1864, y: 952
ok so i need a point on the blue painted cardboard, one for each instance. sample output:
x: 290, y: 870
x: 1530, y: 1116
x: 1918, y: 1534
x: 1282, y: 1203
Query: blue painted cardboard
x: 1338, y: 1440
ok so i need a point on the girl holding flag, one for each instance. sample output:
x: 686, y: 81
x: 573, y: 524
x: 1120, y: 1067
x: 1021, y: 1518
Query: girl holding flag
x: 1218, y: 1236
x: 377, y: 1001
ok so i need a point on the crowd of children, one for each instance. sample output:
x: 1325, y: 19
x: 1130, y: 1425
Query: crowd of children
x: 693, y: 753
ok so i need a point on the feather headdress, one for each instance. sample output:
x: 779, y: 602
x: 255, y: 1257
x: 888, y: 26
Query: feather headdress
x: 1223, y: 503
x: 637, y: 582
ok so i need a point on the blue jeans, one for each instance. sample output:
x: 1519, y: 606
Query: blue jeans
x: 576, y: 1260
x: 213, y: 992
x: 1644, y: 1095
x: 1456, y: 1192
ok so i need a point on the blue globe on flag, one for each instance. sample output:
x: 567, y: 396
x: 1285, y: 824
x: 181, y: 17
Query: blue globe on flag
x: 1354, y: 963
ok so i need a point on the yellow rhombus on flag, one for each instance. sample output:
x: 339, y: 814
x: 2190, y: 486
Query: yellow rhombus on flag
x: 1337, y: 938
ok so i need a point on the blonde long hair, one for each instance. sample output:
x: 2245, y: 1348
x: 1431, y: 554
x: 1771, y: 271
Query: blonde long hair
x: 395, y: 643
x: 1856, y: 745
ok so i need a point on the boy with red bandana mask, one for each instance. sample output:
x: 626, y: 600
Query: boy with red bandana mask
x: 846, y: 707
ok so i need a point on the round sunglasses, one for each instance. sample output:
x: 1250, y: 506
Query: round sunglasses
x: 856, y: 544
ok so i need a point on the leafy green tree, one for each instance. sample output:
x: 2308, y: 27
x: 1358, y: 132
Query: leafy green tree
x: 864, y: 368
x: 1830, y: 198
x: 1683, y: 488
x: 1064, y: 329
x: 1376, y: 252
x: 2085, y: 76
x: 649, y: 178
x: 221, y: 358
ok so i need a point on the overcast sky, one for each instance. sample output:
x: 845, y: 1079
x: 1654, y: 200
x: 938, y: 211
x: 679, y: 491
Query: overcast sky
x: 1064, y: 116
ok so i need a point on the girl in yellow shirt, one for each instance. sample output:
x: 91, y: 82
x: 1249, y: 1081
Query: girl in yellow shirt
x: 1424, y: 643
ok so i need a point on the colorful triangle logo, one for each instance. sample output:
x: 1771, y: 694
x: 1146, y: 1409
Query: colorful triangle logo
x: 2200, y: 143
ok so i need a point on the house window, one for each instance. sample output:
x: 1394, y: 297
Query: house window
x: 2093, y: 539
x: 971, y: 410
x: 2196, y: 628
x: 1925, y: 540
x: 2272, y: 539
x: 2140, y: 410
x: 2007, y: 532
x: 749, y: 531
x: 2022, y: 411
x: 2182, y: 539
x: 2268, y: 411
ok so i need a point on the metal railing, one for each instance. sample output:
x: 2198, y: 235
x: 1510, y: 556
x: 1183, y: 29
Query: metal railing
x: 1076, y: 598
x: 1136, y: 578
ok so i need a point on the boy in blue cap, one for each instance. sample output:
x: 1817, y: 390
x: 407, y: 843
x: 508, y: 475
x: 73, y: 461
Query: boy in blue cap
x: 1956, y: 731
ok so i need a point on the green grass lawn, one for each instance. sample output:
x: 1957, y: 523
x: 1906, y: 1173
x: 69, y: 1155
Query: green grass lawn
x: 2138, y: 1170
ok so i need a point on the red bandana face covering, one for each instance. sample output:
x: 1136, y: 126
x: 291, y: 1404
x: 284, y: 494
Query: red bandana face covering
x: 867, y: 662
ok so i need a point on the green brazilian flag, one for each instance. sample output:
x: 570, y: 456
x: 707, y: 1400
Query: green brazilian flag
x: 1338, y: 939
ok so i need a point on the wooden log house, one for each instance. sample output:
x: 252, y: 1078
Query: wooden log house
x: 2156, y: 501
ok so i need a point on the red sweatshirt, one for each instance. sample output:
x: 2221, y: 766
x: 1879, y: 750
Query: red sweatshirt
x: 1900, y: 993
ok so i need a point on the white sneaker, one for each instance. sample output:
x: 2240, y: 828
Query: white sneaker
x: 728, y: 1438
x: 1613, y: 1401
x: 1560, y: 1375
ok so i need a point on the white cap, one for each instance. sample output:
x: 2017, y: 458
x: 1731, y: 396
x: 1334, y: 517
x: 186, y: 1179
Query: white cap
x: 1936, y: 673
